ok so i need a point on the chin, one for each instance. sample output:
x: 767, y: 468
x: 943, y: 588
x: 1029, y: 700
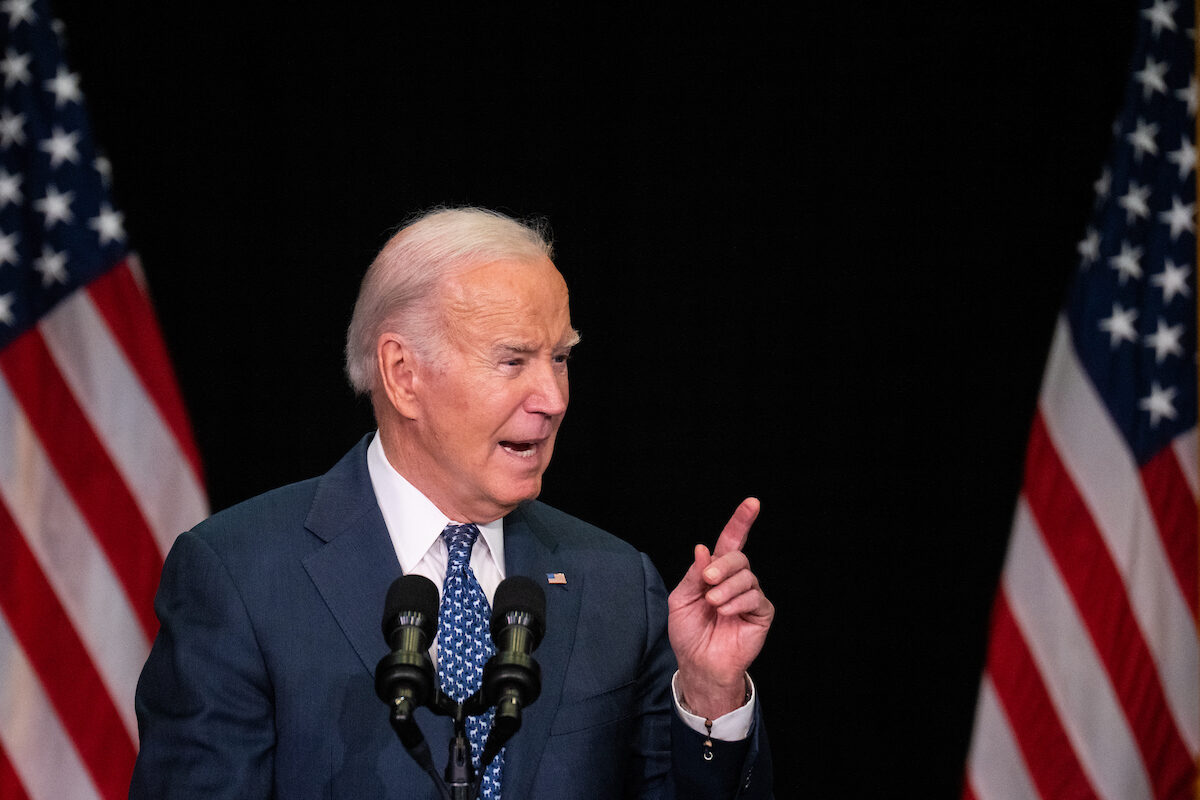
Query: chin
x: 519, y: 494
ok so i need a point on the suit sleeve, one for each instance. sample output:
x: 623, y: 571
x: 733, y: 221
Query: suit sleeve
x: 204, y: 707
x: 736, y: 769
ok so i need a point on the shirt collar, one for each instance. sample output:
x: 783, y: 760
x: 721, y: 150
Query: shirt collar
x: 413, y: 522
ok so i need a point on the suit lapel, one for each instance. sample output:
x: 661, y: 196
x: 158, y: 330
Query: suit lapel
x: 531, y: 549
x: 357, y: 564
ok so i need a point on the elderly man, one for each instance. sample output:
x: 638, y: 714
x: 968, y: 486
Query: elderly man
x: 260, y: 681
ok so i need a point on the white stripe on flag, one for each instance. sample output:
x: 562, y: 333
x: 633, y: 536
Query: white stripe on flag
x: 39, y: 749
x: 1069, y: 665
x: 1108, y: 479
x: 125, y: 419
x: 995, y: 767
x: 69, y: 557
x: 1187, y: 453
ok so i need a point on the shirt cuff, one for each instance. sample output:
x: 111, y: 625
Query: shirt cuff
x: 731, y: 727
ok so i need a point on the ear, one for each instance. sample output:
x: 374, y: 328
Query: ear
x: 397, y: 373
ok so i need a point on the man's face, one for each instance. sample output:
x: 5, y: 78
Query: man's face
x: 489, y: 410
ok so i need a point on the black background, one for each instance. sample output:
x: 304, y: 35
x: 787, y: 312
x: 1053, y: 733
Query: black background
x: 815, y: 256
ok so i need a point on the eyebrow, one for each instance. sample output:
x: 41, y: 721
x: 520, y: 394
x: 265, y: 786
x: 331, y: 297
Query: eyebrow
x: 521, y: 348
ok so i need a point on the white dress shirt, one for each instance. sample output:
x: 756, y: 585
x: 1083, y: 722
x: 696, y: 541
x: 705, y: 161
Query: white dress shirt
x: 415, y: 526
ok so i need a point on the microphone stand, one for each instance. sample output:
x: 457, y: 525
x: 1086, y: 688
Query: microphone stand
x: 462, y: 780
x: 460, y: 771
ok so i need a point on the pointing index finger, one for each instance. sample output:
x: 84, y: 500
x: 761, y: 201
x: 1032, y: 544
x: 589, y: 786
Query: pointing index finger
x: 733, y: 535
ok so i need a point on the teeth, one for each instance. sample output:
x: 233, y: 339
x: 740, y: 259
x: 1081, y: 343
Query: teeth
x: 524, y: 451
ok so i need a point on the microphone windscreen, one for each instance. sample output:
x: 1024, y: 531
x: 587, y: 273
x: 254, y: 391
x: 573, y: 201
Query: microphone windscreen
x: 411, y: 593
x: 519, y: 593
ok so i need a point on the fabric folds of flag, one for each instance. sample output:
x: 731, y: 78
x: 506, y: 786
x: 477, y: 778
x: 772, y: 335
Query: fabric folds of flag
x: 1092, y: 683
x: 98, y: 469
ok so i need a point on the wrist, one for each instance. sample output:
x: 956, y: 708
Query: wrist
x: 712, y: 698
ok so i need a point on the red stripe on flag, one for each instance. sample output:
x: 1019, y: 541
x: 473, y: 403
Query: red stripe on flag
x: 1033, y: 718
x: 127, y: 311
x: 968, y: 793
x: 10, y: 782
x: 72, y: 684
x: 86, y: 470
x: 1090, y: 574
x: 1174, y: 511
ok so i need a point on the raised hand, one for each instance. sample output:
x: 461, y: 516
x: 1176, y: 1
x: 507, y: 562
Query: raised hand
x: 718, y: 620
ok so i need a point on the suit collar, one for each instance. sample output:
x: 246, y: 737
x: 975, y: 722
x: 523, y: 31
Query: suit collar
x: 344, y: 496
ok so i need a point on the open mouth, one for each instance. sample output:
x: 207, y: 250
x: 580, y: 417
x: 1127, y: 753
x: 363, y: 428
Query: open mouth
x: 521, y: 449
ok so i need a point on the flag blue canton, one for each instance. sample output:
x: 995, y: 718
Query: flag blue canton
x: 58, y: 228
x: 1132, y: 307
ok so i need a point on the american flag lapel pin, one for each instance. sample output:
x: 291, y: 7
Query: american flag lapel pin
x: 556, y: 578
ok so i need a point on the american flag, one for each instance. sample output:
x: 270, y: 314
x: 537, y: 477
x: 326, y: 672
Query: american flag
x: 98, y: 470
x: 1092, y: 682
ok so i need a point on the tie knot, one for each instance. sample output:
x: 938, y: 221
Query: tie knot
x: 459, y: 540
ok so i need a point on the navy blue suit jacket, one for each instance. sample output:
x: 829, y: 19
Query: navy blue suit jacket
x: 260, y: 682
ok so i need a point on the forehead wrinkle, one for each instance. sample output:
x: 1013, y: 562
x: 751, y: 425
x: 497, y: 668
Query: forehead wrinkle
x: 501, y: 308
x: 467, y: 309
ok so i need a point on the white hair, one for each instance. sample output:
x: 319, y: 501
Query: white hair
x: 399, y: 293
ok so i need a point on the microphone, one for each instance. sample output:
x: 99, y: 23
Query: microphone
x: 404, y: 677
x: 511, y: 678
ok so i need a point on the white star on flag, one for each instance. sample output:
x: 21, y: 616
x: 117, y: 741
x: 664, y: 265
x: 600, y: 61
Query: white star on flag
x: 12, y: 128
x: 56, y: 206
x: 1120, y: 325
x: 1185, y: 157
x: 1161, y: 15
x: 65, y: 86
x: 1190, y: 94
x: 15, y: 67
x: 61, y: 146
x: 1181, y: 217
x: 1172, y: 280
x: 52, y: 265
x: 104, y: 167
x: 1127, y: 263
x: 1165, y: 341
x: 1135, y: 202
x: 109, y: 224
x: 1152, y: 77
x: 1142, y: 139
x: 10, y: 188
x: 1160, y: 403
x: 1089, y: 247
x: 18, y: 11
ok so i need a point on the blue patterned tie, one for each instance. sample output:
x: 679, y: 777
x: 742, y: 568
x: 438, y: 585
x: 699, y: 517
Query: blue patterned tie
x: 465, y: 644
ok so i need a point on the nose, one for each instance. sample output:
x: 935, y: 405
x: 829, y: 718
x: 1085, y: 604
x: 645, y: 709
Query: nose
x: 548, y: 390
